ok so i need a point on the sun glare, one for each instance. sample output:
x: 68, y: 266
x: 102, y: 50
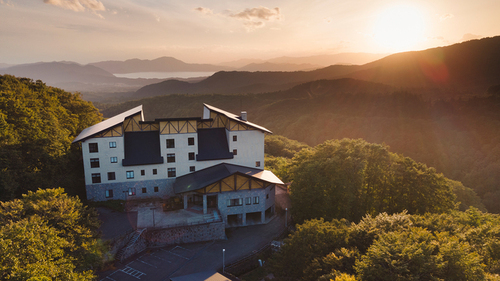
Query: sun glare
x: 399, y: 28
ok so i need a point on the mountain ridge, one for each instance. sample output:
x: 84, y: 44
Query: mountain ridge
x: 460, y: 69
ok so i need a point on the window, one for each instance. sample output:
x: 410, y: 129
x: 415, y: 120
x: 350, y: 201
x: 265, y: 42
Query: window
x: 256, y: 200
x: 131, y: 191
x: 94, y: 162
x: 93, y: 147
x: 171, y: 158
x: 96, y: 178
x: 248, y: 201
x: 109, y: 193
x: 156, y: 188
x: 144, y: 190
x: 235, y: 151
x: 235, y: 202
x: 235, y: 138
x: 155, y: 171
x: 114, y: 159
x: 171, y: 172
x: 190, y: 141
x: 192, y: 168
x: 257, y: 163
x: 191, y: 155
x: 111, y: 176
x: 112, y: 144
x: 170, y: 143
x: 143, y: 172
x: 267, y: 196
x: 130, y: 174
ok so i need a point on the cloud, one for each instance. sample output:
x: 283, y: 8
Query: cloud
x: 260, y: 13
x: 446, y: 17
x: 203, y: 10
x: 256, y: 17
x: 78, y: 5
x: 470, y: 36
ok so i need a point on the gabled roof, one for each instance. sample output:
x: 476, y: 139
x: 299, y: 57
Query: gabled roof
x: 202, y: 178
x: 107, y: 124
x: 236, y: 118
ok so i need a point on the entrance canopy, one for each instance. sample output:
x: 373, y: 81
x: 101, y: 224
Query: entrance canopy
x: 203, y: 178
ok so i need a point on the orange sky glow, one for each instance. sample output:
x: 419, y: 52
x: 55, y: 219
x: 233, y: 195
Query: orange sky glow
x: 200, y: 31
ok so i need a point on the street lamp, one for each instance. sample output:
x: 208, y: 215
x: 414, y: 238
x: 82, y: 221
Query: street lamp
x: 223, y: 254
x: 153, y: 209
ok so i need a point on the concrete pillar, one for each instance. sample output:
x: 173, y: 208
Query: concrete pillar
x: 263, y: 217
x: 244, y: 218
x: 185, y: 201
x: 205, y: 209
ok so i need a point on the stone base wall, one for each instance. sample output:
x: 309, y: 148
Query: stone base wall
x: 164, y: 237
x: 186, y: 234
x: 139, y: 246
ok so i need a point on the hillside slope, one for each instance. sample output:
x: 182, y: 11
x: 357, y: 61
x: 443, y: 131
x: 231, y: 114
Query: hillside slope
x: 235, y: 82
x: 469, y: 66
x: 464, y: 69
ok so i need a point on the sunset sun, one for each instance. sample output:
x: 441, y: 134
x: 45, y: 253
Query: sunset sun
x: 398, y: 28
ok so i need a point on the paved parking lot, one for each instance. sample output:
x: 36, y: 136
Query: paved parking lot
x: 173, y: 261
x: 156, y: 264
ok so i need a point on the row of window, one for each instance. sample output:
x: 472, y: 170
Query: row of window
x: 239, y: 201
x: 94, y: 147
x: 171, y: 142
x: 171, y: 173
x: 94, y: 162
x: 130, y: 191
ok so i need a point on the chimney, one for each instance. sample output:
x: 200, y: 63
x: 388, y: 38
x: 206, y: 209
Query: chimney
x: 243, y: 116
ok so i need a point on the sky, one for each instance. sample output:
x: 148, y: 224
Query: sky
x: 215, y: 31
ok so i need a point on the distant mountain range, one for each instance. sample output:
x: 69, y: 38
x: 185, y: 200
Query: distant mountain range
x: 461, y: 69
x: 75, y: 77
x: 163, y: 64
x: 99, y: 76
x: 318, y: 60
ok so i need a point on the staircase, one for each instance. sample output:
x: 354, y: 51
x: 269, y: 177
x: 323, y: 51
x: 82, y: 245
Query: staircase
x: 137, y: 235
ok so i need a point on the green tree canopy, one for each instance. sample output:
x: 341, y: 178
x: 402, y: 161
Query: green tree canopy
x: 48, y: 234
x: 450, y: 246
x: 350, y: 178
x: 37, y: 126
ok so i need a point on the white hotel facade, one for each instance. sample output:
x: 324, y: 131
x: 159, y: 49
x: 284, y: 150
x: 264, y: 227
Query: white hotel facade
x: 216, y: 161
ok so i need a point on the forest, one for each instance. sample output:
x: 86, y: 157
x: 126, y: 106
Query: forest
x: 37, y: 125
x: 367, y: 206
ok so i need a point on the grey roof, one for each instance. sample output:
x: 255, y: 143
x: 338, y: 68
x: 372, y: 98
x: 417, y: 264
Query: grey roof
x: 108, y: 123
x: 212, y: 145
x: 202, y: 178
x: 202, y: 276
x: 142, y: 148
x: 236, y: 118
